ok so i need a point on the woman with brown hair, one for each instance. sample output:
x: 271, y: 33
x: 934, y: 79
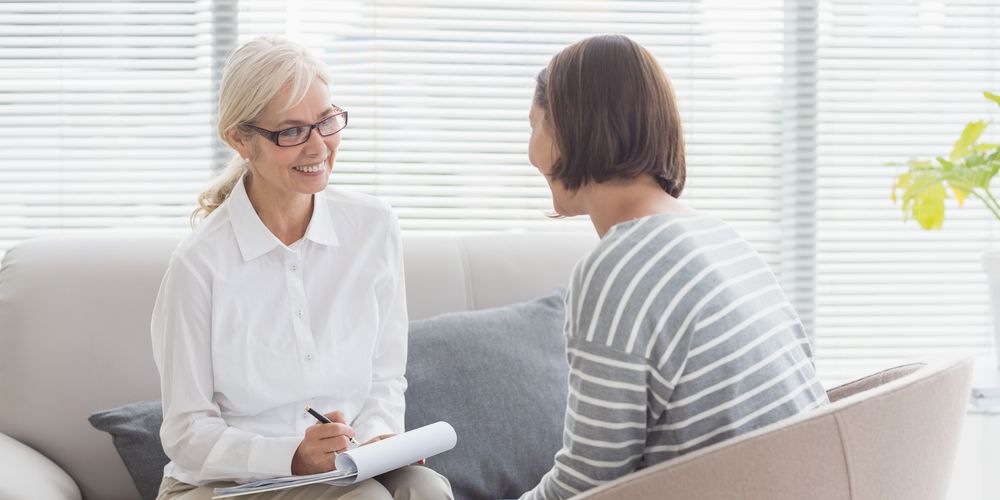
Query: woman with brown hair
x: 678, y: 334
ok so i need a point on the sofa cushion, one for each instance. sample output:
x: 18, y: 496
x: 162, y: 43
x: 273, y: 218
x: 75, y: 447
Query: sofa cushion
x: 499, y: 377
x: 135, y: 432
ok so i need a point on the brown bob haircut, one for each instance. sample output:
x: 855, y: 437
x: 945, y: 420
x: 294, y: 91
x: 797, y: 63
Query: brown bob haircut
x: 612, y: 114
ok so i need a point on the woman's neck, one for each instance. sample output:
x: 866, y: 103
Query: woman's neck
x: 612, y: 203
x: 287, y: 217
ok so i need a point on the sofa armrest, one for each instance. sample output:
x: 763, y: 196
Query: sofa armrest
x: 27, y: 474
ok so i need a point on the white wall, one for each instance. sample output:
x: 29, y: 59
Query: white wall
x: 975, y: 476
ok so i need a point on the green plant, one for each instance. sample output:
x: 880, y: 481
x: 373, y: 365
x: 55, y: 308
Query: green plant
x: 967, y: 171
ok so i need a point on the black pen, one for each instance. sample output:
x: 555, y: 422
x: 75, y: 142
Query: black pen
x: 322, y: 418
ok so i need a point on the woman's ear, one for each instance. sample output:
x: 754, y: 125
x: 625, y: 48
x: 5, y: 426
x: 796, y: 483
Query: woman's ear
x: 239, y: 142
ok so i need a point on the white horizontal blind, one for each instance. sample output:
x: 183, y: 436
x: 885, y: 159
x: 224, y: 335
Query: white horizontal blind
x: 898, y: 80
x: 439, y: 93
x: 116, y: 99
x: 790, y: 110
x: 105, y: 115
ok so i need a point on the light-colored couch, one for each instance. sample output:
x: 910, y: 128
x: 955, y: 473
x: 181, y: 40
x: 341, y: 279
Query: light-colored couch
x: 74, y: 339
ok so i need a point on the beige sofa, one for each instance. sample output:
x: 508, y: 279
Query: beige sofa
x: 74, y: 316
x: 74, y: 337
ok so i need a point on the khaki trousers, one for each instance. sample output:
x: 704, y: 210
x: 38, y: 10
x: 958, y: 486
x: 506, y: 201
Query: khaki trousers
x: 413, y: 482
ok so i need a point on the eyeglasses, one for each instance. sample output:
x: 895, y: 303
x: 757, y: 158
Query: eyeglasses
x: 299, y: 135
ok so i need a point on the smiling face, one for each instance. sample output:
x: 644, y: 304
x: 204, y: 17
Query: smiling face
x: 286, y: 172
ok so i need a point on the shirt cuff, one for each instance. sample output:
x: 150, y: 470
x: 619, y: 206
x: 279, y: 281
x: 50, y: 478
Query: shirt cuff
x: 272, y: 455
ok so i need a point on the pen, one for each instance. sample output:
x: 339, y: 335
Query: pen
x: 319, y: 416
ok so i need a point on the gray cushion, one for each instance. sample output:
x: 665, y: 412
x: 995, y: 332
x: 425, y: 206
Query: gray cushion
x: 135, y: 432
x: 499, y: 377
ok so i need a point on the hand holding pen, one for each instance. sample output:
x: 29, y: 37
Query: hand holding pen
x: 319, y: 447
x: 338, y: 418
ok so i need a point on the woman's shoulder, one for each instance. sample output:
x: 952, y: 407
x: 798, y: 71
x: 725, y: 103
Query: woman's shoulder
x: 663, y: 225
x: 207, y: 239
x: 651, y: 244
x: 632, y: 239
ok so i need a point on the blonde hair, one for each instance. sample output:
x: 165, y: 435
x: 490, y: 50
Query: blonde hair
x: 254, y: 74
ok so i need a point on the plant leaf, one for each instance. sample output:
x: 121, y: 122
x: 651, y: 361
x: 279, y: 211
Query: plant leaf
x: 915, y: 184
x: 969, y: 137
x: 974, y: 173
x: 960, y: 193
x: 928, y: 207
x: 902, y: 182
x: 993, y: 97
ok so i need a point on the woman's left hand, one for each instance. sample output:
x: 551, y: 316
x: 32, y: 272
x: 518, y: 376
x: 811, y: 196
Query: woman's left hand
x: 422, y: 461
x: 377, y: 438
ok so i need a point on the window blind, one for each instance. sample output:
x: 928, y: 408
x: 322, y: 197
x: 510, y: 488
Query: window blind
x: 898, y: 80
x: 104, y: 115
x: 439, y: 93
x: 790, y: 109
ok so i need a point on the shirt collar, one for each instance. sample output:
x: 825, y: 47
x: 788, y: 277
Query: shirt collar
x: 321, y: 228
x: 255, y: 239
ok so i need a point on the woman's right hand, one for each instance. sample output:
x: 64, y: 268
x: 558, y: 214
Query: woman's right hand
x: 318, y: 450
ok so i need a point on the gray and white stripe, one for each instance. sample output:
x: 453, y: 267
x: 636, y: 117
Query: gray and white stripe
x: 678, y: 337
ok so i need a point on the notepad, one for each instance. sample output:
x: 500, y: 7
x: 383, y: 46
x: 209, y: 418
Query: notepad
x: 363, y: 462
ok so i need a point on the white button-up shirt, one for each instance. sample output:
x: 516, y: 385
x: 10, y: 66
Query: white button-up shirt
x: 246, y: 331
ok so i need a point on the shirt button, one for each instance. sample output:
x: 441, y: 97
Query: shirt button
x: 298, y: 312
x: 309, y: 357
x: 295, y: 267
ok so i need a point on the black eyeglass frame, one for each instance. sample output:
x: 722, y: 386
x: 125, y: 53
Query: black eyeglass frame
x: 273, y: 136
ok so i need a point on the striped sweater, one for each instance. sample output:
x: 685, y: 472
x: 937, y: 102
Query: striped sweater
x: 678, y: 337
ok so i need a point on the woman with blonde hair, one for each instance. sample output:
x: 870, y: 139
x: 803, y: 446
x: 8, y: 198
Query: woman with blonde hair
x: 678, y: 335
x: 287, y: 293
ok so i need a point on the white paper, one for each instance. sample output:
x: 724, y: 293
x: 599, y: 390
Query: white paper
x: 398, y: 451
x: 363, y: 462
